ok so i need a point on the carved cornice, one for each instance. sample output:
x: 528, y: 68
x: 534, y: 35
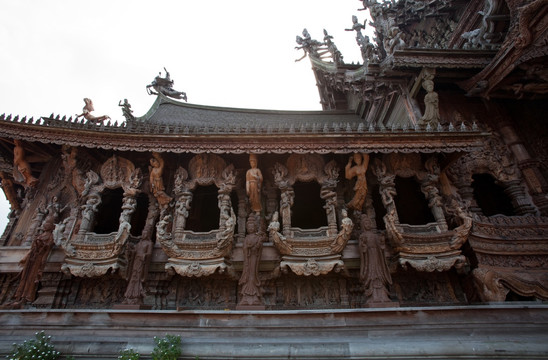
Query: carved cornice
x: 344, y: 139
x: 449, y: 59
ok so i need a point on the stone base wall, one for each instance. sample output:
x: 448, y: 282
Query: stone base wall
x: 473, y: 332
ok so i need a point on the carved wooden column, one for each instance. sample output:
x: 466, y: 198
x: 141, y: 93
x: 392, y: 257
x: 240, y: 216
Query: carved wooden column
x: 520, y: 202
x: 535, y: 181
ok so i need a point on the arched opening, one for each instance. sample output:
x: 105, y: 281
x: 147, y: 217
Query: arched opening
x: 490, y: 196
x: 308, y: 207
x: 139, y: 217
x: 410, y: 202
x: 204, y: 209
x: 107, y: 219
x: 380, y: 211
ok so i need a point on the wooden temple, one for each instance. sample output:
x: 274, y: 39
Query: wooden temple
x: 417, y: 197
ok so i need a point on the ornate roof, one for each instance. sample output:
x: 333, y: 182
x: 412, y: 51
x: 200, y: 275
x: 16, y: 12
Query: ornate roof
x: 180, y: 127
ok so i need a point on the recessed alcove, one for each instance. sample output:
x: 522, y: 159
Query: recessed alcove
x: 410, y: 202
x: 139, y: 217
x: 204, y: 209
x: 490, y: 196
x: 308, y: 210
x: 380, y: 211
x: 108, y: 215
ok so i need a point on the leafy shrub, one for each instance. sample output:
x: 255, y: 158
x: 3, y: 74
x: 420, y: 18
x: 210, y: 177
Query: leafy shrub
x: 167, y: 348
x: 39, y: 348
x: 129, y: 354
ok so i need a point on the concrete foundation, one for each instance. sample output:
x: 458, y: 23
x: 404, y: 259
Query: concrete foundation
x: 517, y: 331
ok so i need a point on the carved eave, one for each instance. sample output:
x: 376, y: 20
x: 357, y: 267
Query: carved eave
x: 336, y: 138
x: 440, y: 59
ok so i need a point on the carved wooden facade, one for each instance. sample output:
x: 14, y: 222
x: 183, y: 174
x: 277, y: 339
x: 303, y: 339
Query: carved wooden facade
x: 455, y: 192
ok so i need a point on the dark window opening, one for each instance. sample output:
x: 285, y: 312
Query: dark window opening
x: 490, y: 196
x: 380, y: 211
x: 234, y: 201
x: 308, y: 207
x: 411, y: 204
x: 139, y: 217
x: 107, y: 219
x: 204, y: 209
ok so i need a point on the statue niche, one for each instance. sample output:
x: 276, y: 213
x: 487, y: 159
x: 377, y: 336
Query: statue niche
x: 93, y: 241
x: 194, y: 248
x: 309, y: 251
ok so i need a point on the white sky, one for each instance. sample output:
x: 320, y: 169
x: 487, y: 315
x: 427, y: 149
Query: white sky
x: 224, y: 53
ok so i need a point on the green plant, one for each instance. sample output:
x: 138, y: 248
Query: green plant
x: 129, y: 354
x: 167, y: 348
x: 39, y: 348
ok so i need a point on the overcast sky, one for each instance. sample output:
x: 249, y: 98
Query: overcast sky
x: 222, y: 53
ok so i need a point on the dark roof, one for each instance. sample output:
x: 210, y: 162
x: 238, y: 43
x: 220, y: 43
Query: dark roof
x: 166, y: 111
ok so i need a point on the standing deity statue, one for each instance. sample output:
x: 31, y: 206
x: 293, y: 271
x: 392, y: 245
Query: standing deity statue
x: 374, y: 272
x: 358, y: 171
x: 157, y: 188
x: 431, y: 106
x: 33, y: 263
x: 21, y: 168
x: 253, y: 184
x: 86, y: 113
x: 251, y: 293
x: 138, y: 268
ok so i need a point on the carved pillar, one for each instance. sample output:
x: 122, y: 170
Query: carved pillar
x: 520, y: 202
x: 182, y: 206
x: 538, y: 186
x: 466, y: 192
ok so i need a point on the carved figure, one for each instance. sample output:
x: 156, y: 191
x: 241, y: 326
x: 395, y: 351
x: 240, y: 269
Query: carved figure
x: 253, y: 184
x: 138, y: 270
x: 21, y: 168
x: 250, y: 293
x: 164, y: 86
x: 86, y: 113
x: 358, y: 171
x: 310, y: 47
x: 33, y: 263
x: 157, y: 188
x: 126, y: 110
x: 374, y: 271
x: 332, y: 48
x: 431, y: 106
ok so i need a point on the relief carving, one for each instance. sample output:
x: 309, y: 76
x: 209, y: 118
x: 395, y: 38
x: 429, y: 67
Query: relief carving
x: 157, y: 187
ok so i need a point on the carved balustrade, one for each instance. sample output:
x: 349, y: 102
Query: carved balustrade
x: 512, y: 254
x: 88, y: 254
x: 309, y: 251
x: 429, y: 247
x: 191, y: 253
